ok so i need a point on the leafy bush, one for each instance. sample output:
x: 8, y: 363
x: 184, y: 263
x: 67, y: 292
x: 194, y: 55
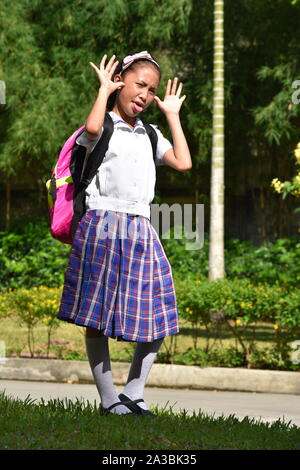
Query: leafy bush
x: 31, y: 306
x: 269, y: 263
x: 186, y: 263
x: 31, y: 257
x: 219, y: 357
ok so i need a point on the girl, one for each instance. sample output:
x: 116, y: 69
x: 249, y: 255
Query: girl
x: 119, y: 285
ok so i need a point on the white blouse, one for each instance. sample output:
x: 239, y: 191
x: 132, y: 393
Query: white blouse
x: 126, y: 178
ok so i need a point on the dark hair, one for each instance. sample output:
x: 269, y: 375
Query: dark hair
x: 112, y: 99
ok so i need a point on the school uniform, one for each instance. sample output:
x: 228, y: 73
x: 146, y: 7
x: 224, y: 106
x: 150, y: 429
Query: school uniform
x: 119, y: 279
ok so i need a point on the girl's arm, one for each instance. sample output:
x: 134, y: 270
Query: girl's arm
x: 179, y: 156
x: 94, y: 122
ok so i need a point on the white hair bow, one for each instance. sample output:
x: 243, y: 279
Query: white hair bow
x: 129, y: 59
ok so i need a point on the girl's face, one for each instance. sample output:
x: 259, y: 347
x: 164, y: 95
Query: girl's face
x: 139, y: 91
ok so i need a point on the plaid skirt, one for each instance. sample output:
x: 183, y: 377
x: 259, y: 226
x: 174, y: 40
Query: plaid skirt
x: 119, y: 279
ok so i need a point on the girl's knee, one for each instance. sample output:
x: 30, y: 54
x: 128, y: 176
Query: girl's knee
x: 92, y: 332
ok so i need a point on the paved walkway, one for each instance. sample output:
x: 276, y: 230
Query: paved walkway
x: 265, y: 407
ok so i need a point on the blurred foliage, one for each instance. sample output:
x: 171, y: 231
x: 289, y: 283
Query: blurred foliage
x: 30, y: 307
x: 31, y: 257
x: 270, y: 262
x: 290, y: 187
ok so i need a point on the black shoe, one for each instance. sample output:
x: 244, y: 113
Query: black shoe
x: 107, y: 411
x: 133, y: 406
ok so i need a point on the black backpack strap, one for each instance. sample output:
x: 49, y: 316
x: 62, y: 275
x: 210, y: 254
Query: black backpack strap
x: 77, y: 160
x: 96, y: 156
x: 152, y: 136
x: 94, y: 161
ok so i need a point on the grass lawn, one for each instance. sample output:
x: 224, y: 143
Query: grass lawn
x: 65, y: 424
x: 68, y: 340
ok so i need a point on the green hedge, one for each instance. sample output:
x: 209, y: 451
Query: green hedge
x: 30, y: 257
x: 270, y: 262
x: 241, y: 306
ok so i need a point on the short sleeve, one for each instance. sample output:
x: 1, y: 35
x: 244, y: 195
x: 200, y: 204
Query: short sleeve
x: 163, y: 145
x: 86, y: 142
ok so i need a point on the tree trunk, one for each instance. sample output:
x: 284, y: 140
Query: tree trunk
x: 216, y: 244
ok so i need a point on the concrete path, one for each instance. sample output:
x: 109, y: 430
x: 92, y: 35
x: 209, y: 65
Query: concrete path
x: 265, y: 407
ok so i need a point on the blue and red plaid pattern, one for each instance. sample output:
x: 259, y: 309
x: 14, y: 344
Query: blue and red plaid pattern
x: 119, y: 279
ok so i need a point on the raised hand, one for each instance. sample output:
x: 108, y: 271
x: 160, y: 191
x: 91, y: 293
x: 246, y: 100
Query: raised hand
x: 105, y: 73
x: 172, y: 101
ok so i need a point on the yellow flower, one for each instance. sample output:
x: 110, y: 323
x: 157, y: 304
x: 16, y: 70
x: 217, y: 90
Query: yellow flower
x: 277, y: 185
x: 296, y: 193
x: 189, y: 311
x: 238, y: 321
x: 276, y: 326
x: 297, y: 152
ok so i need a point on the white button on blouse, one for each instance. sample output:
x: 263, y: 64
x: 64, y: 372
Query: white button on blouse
x: 125, y: 180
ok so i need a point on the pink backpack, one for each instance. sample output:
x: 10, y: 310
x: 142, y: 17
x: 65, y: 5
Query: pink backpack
x: 61, y: 191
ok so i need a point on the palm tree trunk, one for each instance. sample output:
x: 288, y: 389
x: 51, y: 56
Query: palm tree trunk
x: 216, y: 245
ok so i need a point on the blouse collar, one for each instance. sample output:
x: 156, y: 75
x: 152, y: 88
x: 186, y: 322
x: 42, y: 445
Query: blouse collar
x: 118, y: 120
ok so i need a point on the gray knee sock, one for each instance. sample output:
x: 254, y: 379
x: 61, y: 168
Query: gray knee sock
x: 144, y: 356
x: 98, y: 355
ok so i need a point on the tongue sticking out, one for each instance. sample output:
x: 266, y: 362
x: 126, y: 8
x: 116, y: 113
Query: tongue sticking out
x: 137, y: 108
